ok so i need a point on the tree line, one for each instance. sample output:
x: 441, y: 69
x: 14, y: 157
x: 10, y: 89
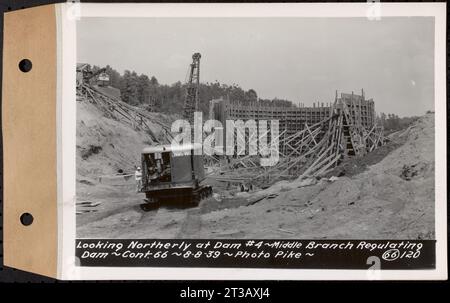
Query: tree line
x: 144, y: 91
x: 393, y: 123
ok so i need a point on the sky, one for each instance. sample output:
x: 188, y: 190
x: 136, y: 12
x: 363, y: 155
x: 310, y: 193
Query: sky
x: 300, y: 59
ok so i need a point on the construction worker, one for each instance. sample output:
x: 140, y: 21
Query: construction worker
x: 138, y: 178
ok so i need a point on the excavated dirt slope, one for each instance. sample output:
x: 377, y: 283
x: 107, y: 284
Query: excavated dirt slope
x: 105, y: 145
x: 392, y: 199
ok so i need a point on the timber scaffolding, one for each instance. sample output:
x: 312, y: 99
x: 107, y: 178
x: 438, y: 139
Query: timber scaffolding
x: 312, y: 146
x: 116, y: 109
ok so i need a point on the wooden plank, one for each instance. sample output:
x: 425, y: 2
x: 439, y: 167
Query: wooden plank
x: 325, y: 168
x: 309, y: 131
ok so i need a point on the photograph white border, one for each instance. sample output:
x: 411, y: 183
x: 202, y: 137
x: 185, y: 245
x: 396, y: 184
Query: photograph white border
x: 69, y: 13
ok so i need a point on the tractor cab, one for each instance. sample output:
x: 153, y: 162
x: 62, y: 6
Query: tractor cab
x: 173, y: 172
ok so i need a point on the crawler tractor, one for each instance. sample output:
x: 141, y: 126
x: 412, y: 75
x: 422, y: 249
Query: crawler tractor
x: 173, y: 174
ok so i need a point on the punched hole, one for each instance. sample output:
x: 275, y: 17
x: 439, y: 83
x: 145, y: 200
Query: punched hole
x: 26, y: 219
x: 25, y: 65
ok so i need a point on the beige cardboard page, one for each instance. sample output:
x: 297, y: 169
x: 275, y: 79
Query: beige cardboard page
x: 29, y: 140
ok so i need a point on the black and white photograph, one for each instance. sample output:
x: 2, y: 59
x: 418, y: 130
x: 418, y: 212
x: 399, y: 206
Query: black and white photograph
x: 257, y: 141
x: 225, y: 141
x: 354, y: 103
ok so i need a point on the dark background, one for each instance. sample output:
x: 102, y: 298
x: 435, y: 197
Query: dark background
x: 13, y: 275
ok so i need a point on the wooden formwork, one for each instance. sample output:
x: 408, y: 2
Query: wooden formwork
x: 311, y: 152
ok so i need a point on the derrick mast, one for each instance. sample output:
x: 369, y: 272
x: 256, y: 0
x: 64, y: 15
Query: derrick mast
x: 191, y: 101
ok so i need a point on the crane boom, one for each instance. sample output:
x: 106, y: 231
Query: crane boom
x: 191, y: 100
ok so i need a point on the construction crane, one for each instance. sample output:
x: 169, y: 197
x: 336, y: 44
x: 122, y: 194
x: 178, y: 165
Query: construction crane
x: 191, y: 101
x: 175, y: 173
